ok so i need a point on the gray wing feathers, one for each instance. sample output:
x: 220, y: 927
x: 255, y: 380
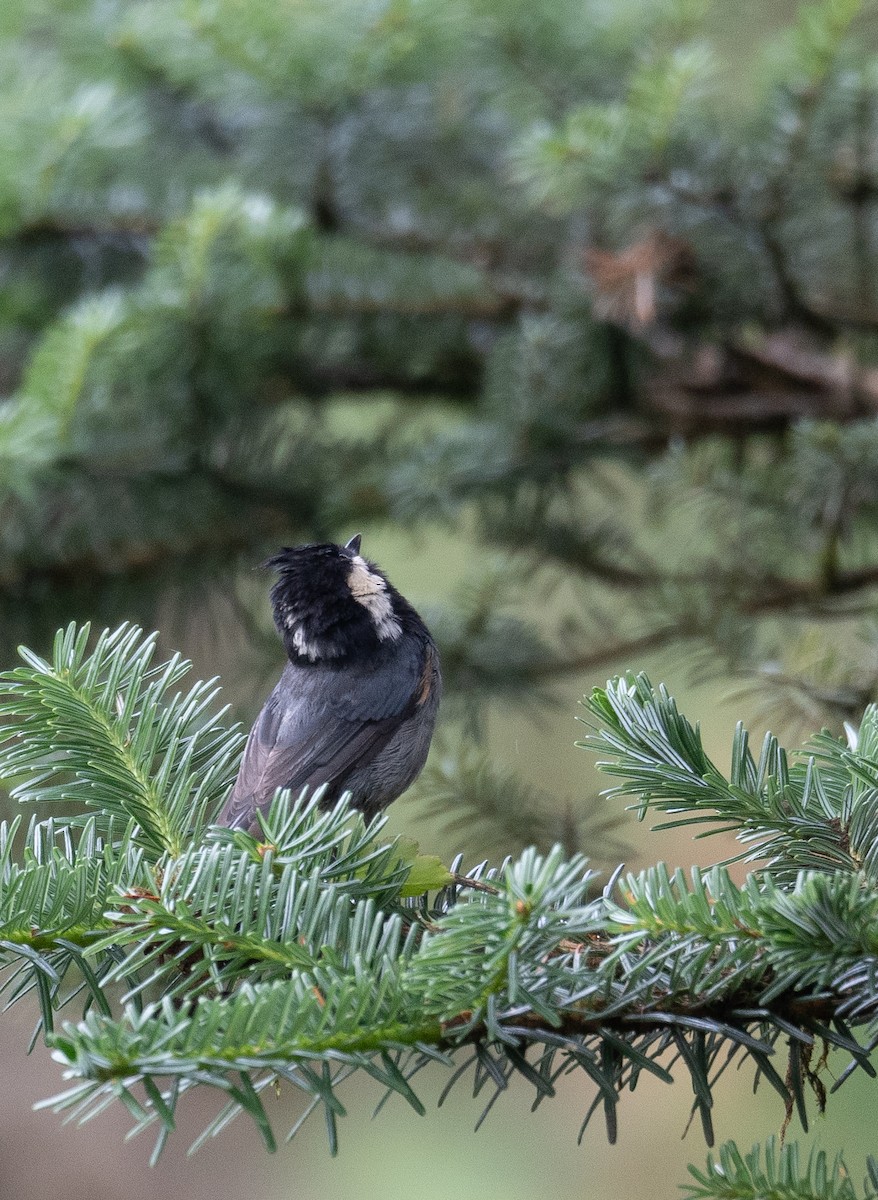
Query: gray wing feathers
x: 312, y: 730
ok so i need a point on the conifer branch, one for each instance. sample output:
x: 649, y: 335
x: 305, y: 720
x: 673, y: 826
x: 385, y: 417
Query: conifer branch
x: 309, y: 952
x: 782, y: 1173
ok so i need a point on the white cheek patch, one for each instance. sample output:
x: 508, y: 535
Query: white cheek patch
x: 370, y: 590
x: 301, y: 642
x: 308, y: 649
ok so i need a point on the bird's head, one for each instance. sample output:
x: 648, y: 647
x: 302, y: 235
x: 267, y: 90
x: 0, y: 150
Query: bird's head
x: 331, y: 604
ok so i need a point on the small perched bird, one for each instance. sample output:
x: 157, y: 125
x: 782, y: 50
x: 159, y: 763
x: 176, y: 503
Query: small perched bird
x: 356, y: 703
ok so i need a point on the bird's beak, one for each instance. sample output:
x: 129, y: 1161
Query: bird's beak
x: 354, y: 544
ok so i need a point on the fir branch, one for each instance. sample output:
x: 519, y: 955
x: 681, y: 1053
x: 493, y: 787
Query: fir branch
x: 820, y: 811
x: 299, y: 956
x: 105, y: 727
x: 781, y: 1175
x: 499, y: 975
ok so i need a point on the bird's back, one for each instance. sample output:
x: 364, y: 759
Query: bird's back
x: 364, y: 726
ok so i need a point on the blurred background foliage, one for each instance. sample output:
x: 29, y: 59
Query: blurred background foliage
x: 569, y: 305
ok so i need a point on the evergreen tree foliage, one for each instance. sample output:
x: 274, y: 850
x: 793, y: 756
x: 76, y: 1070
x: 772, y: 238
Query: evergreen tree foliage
x: 187, y: 955
x: 530, y: 268
x: 556, y: 276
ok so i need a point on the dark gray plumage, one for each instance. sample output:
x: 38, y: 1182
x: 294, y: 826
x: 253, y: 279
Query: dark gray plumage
x: 356, y: 704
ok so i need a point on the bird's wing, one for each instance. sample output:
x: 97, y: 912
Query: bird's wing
x: 317, y: 726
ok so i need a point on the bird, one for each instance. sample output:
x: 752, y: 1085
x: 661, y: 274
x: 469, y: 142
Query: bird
x: 355, y: 707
